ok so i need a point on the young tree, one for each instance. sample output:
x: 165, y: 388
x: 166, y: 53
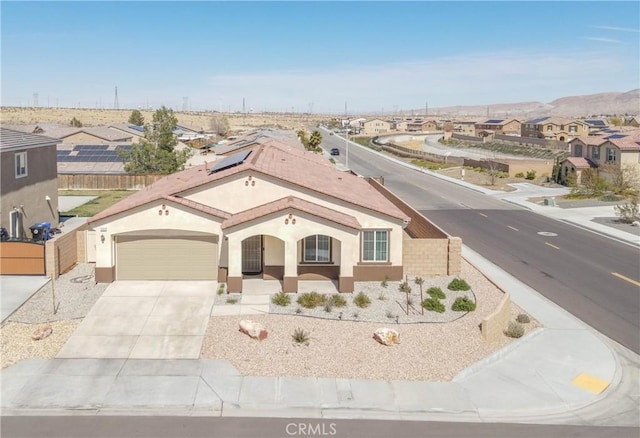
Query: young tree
x: 220, y: 124
x: 315, y: 140
x: 156, y: 152
x: 75, y: 123
x: 136, y: 118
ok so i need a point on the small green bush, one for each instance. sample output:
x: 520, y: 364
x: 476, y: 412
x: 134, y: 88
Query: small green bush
x: 523, y: 318
x: 300, y: 336
x: 281, y: 299
x: 531, y: 174
x: 463, y: 304
x: 220, y: 289
x: 337, y: 300
x: 436, y: 292
x: 514, y: 330
x: 501, y: 174
x: 519, y: 175
x: 232, y: 300
x: 311, y: 300
x: 458, y: 284
x: 434, y: 305
x: 361, y: 300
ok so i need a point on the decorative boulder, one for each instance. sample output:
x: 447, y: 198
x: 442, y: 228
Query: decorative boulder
x: 635, y: 224
x: 386, y: 336
x: 253, y: 329
x: 41, y: 333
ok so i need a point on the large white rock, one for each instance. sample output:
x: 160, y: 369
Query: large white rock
x: 386, y: 336
x: 41, y: 333
x: 253, y: 329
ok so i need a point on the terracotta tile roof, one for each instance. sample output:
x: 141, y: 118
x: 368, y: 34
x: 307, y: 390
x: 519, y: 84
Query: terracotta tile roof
x: 11, y: 139
x: 290, y: 204
x: 581, y: 162
x: 277, y: 160
x: 198, y: 206
x: 630, y: 141
x: 589, y: 140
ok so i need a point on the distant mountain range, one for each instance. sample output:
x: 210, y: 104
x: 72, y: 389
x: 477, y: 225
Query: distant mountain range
x: 573, y: 106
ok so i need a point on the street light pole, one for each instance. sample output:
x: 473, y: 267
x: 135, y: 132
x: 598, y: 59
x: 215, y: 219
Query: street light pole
x: 346, y: 137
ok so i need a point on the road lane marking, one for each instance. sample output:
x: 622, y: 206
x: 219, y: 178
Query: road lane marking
x: 514, y: 229
x: 483, y: 215
x: 615, y: 274
x: 547, y: 233
x: 590, y: 383
x: 552, y: 246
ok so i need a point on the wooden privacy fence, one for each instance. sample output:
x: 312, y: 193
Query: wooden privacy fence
x: 104, y: 181
x: 22, y: 258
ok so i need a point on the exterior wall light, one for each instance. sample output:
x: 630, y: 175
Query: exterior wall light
x: 102, y: 238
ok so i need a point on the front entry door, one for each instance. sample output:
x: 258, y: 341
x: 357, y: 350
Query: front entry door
x: 252, y: 255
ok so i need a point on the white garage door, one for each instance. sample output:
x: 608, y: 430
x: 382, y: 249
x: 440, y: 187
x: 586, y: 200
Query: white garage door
x: 177, y: 257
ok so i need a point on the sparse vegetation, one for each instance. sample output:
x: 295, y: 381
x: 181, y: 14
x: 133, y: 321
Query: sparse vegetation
x: 232, y: 300
x: 458, y: 284
x: 382, y: 296
x: 220, y: 289
x: 523, y: 318
x: 298, y: 310
x: 531, y: 175
x: 105, y: 199
x: 628, y: 212
x: 337, y: 300
x: 136, y: 118
x: 75, y: 123
x: 433, y: 305
x: 300, y: 336
x: 436, y: 292
x: 431, y: 165
x: 328, y: 307
x: 361, y: 300
x: 463, y: 304
x: 311, y: 300
x: 514, y: 330
x: 281, y: 299
x: 390, y: 314
x: 519, y: 175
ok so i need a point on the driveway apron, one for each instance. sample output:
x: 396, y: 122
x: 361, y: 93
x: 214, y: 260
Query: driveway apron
x: 145, y: 320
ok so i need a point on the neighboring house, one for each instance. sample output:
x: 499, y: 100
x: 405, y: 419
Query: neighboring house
x: 596, y: 124
x: 609, y: 154
x: 90, y: 159
x: 29, y: 189
x: 136, y: 132
x: 274, y: 211
x: 498, y: 127
x: 252, y: 138
x: 89, y: 135
x: 421, y: 126
x: 554, y: 128
x: 377, y: 126
x: 465, y: 128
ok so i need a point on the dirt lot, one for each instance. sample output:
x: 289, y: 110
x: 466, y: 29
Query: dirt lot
x: 93, y: 117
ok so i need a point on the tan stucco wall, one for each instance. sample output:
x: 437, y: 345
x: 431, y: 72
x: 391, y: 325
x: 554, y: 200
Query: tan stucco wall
x: 493, y: 325
x: 273, y: 251
x: 147, y: 218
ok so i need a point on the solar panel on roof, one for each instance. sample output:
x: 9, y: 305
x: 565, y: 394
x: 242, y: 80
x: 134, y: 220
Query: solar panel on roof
x: 137, y: 128
x: 230, y: 161
x: 90, y: 147
x: 615, y: 136
x: 493, y: 121
x: 538, y: 120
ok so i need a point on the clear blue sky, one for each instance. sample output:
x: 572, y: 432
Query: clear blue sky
x: 304, y: 56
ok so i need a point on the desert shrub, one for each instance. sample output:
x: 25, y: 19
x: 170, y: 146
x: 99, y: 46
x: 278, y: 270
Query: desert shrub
x: 629, y: 212
x: 361, y: 300
x: 434, y: 305
x: 436, y: 292
x: 501, y: 174
x: 514, y: 330
x: 458, y: 284
x: 298, y: 310
x: 523, y: 318
x: 337, y: 300
x: 381, y: 296
x: 463, y: 304
x: 531, y: 174
x: 220, y: 289
x: 311, y: 300
x: 519, y: 175
x: 281, y: 299
x: 328, y: 307
x: 232, y: 300
x: 610, y: 197
x: 300, y: 336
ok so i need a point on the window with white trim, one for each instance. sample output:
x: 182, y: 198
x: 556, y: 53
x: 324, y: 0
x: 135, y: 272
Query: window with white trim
x: 611, y: 154
x: 317, y: 249
x: 21, y: 164
x: 375, y: 246
x: 595, y: 153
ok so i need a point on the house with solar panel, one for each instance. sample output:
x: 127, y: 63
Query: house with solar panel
x: 271, y: 211
x: 493, y: 127
x: 607, y: 154
x: 29, y: 184
x: 554, y: 128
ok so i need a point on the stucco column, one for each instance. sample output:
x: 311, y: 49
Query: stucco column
x: 347, y: 260
x: 290, y: 280
x: 234, y: 276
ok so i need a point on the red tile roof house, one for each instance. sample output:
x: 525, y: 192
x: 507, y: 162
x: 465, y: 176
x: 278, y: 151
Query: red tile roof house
x: 274, y: 211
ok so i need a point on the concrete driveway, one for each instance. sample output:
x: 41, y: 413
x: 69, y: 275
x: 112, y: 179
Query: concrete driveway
x: 145, y: 320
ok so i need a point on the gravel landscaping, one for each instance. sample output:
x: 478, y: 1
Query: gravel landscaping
x: 430, y: 351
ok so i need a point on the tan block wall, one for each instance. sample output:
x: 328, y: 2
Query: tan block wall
x: 493, y: 325
x: 454, y: 266
x: 425, y: 256
x: 61, y: 252
x: 81, y: 246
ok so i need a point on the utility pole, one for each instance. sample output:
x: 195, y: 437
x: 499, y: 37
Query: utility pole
x: 35, y: 100
x: 116, y: 104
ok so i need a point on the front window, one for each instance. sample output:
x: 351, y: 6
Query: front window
x: 595, y: 153
x: 573, y: 128
x: 21, y: 164
x: 611, y: 154
x: 577, y: 150
x: 549, y: 127
x: 375, y: 246
x: 317, y: 248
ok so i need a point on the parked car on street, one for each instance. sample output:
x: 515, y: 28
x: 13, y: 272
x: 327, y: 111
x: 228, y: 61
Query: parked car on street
x: 335, y: 151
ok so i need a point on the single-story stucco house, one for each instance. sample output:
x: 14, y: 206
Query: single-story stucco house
x: 272, y: 210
